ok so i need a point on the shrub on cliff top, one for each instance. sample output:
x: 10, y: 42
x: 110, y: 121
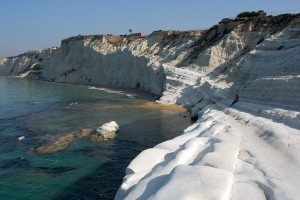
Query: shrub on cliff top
x: 252, y: 14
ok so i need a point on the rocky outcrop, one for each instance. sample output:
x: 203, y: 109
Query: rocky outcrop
x: 107, y: 131
x: 255, y: 141
x: 62, y: 142
x: 27, y: 65
x: 191, y: 68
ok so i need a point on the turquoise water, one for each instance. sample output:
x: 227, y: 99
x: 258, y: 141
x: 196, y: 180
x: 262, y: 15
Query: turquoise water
x: 40, y: 111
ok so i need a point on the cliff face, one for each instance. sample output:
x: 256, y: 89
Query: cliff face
x: 252, y: 148
x: 257, y: 58
x: 229, y: 152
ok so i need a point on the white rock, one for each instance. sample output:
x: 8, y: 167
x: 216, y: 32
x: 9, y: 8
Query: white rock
x: 21, y: 138
x: 108, y: 128
x: 249, y: 149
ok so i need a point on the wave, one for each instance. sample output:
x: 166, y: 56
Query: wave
x: 132, y: 96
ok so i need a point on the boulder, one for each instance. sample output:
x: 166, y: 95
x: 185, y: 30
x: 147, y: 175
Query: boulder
x: 107, y: 131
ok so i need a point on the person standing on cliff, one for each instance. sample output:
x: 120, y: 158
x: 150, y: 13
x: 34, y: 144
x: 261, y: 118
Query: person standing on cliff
x: 236, y: 99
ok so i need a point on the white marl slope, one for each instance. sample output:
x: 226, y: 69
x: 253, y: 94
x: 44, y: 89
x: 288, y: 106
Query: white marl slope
x: 248, y: 151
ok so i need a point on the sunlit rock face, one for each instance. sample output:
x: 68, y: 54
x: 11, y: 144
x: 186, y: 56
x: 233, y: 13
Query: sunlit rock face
x: 256, y: 57
x: 230, y: 152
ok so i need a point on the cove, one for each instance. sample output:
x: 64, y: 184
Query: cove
x: 41, y: 111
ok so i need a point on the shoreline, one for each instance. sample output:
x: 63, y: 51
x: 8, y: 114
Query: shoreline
x: 132, y: 90
x: 151, y: 105
x: 147, y: 104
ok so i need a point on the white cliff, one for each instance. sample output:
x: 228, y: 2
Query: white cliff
x: 247, y: 151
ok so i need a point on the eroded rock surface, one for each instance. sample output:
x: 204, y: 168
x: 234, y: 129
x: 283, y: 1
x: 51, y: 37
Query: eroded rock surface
x: 107, y: 131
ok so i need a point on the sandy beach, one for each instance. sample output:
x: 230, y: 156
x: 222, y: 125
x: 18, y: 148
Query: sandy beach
x: 150, y: 105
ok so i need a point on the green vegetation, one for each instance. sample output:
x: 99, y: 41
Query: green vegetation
x: 259, y: 13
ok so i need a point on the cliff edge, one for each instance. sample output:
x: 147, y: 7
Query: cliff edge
x: 230, y: 152
x: 232, y: 57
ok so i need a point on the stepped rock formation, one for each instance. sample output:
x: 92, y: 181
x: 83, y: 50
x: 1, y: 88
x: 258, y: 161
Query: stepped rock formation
x: 257, y: 58
x: 184, y: 67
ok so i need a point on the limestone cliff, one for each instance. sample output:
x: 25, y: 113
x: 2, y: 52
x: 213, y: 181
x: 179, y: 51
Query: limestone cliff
x: 256, y: 57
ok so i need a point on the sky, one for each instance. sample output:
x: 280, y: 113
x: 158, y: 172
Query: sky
x: 38, y: 24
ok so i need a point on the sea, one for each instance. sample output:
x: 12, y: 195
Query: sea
x: 33, y: 113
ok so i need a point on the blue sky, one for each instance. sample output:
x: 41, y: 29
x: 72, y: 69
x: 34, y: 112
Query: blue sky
x: 38, y: 24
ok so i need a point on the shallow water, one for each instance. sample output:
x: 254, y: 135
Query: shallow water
x: 42, y: 110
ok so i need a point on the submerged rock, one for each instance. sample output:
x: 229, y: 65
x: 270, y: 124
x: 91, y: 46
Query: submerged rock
x: 54, y: 170
x: 107, y: 131
x: 18, y: 162
x: 62, y: 142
